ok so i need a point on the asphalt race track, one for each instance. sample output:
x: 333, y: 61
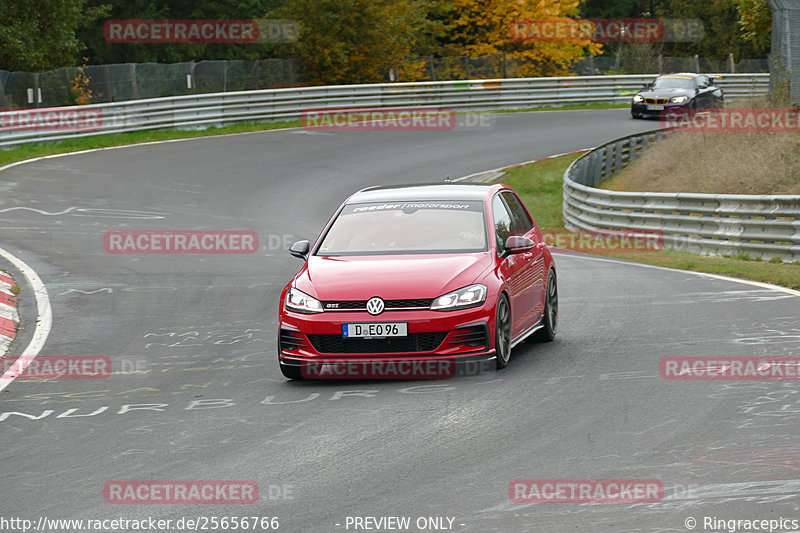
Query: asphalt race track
x: 196, y: 392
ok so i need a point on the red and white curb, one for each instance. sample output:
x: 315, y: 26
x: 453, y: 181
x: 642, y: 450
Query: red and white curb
x: 9, y: 318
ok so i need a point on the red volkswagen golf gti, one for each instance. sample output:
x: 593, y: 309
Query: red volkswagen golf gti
x: 449, y: 273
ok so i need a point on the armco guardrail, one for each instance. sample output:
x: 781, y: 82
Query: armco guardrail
x: 286, y: 104
x: 765, y: 226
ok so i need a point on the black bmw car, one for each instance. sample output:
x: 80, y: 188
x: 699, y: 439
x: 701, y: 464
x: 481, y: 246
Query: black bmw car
x: 676, y: 94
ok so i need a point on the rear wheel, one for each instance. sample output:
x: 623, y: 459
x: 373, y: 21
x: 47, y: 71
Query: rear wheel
x: 502, y: 332
x: 550, y: 319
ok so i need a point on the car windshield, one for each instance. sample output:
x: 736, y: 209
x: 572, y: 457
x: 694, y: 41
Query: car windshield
x: 674, y: 82
x: 407, y: 227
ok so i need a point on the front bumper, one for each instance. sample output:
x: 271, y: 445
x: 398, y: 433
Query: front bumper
x: 460, y: 336
x: 641, y: 109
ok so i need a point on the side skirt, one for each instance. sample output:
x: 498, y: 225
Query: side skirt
x: 528, y: 332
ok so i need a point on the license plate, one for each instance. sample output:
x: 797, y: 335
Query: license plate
x: 655, y: 107
x: 375, y: 330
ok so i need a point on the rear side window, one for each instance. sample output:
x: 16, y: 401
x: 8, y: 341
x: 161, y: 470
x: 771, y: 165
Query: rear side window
x: 521, y: 222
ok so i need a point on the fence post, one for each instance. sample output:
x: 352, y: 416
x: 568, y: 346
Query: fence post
x: 134, y: 86
x: 696, y: 60
x: 466, y: 63
x: 731, y: 63
x: 3, y: 98
x: 36, y: 89
x: 109, y: 96
x: 69, y: 84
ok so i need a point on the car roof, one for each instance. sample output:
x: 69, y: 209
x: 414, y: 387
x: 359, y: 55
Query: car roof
x: 691, y: 74
x: 425, y: 191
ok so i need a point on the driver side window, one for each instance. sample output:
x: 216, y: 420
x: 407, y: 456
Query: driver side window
x: 502, y: 223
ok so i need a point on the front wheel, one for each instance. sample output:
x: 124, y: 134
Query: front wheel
x: 550, y: 319
x: 502, y: 332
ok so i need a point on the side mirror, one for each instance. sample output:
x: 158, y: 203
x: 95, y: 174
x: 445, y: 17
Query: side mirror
x: 300, y: 249
x: 518, y: 245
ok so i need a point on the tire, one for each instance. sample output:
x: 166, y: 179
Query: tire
x: 550, y: 319
x: 636, y: 115
x: 502, y: 332
x: 692, y: 108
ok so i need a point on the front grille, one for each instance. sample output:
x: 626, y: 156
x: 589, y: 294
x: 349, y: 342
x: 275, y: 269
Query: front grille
x: 656, y: 100
x: 471, y: 336
x: 361, y: 305
x: 414, y: 342
x: 291, y: 340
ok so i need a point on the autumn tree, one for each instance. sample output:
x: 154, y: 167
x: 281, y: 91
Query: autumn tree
x: 720, y: 21
x: 41, y: 34
x: 755, y: 22
x: 483, y: 27
x: 356, y: 41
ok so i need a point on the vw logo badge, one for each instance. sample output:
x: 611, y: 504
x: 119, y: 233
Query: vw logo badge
x: 375, y: 306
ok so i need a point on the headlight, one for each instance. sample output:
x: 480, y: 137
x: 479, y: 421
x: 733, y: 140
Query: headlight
x: 679, y: 99
x: 302, y: 302
x: 637, y: 98
x: 467, y: 297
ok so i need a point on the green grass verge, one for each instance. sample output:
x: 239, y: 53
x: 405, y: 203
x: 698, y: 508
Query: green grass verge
x: 539, y: 184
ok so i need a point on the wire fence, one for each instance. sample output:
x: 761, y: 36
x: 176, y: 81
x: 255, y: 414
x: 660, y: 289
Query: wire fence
x: 133, y: 81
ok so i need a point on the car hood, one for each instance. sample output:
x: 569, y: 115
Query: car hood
x: 665, y: 93
x: 389, y: 277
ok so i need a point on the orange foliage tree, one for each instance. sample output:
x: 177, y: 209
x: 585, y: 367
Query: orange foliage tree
x: 483, y: 27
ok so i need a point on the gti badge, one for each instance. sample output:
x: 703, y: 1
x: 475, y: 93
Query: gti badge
x: 375, y: 306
